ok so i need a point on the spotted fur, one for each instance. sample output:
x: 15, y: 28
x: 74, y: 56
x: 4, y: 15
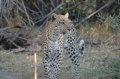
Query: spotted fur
x: 53, y: 39
x: 70, y: 46
x: 59, y: 34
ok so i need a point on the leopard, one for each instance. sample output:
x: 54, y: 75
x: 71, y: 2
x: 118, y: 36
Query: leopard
x: 53, y: 40
x: 59, y: 30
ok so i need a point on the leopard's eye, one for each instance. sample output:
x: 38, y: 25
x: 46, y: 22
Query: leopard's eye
x: 62, y: 22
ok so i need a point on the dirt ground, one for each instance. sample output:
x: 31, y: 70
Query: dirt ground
x: 5, y: 75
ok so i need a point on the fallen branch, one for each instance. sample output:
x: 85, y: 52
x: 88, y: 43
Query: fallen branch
x: 11, y: 35
x: 115, y: 49
x: 94, y: 13
x: 105, y: 41
x: 11, y: 40
x: 98, y: 43
x: 5, y: 28
x: 15, y: 44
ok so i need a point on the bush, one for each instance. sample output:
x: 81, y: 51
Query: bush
x: 113, y: 21
x: 110, y: 65
x: 102, y: 66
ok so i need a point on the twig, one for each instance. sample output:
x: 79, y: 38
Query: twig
x: 20, y: 5
x: 57, y: 2
x: 30, y: 21
x: 14, y: 43
x: 52, y: 3
x: 74, y: 5
x: 78, y: 38
x: 115, y: 49
x: 41, y: 1
x: 43, y: 24
x: 105, y: 41
x: 3, y: 29
x: 94, y: 13
x: 37, y: 8
x: 6, y: 18
x: 50, y: 12
x: 9, y: 34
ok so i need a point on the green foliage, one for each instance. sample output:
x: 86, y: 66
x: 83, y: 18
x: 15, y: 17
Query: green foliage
x: 110, y: 65
x: 112, y: 20
x: 65, y: 10
x: 82, y: 12
x: 101, y: 17
x: 83, y: 9
x: 104, y: 66
x: 115, y: 21
x: 90, y: 1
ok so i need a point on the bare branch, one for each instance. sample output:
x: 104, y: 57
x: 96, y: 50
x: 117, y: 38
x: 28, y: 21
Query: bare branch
x: 105, y: 41
x: 94, y: 13
x: 50, y: 12
x: 37, y: 8
x: 30, y: 21
x: 3, y: 29
x: 10, y: 34
x: 44, y: 4
x: 115, y: 49
x: 6, y: 18
x: 52, y: 3
x: 14, y: 43
x: 98, y: 43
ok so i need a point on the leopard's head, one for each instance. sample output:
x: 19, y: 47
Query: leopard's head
x: 64, y: 24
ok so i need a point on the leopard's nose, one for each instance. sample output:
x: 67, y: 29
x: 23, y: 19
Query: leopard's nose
x: 63, y: 32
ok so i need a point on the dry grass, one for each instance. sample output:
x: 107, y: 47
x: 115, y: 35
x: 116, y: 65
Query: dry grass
x: 96, y: 32
x: 22, y: 65
x: 96, y: 62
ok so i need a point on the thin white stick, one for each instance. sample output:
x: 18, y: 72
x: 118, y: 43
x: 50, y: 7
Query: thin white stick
x: 35, y: 65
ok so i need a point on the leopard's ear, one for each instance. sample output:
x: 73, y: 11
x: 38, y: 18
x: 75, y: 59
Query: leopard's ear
x: 66, y: 15
x: 53, y: 16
